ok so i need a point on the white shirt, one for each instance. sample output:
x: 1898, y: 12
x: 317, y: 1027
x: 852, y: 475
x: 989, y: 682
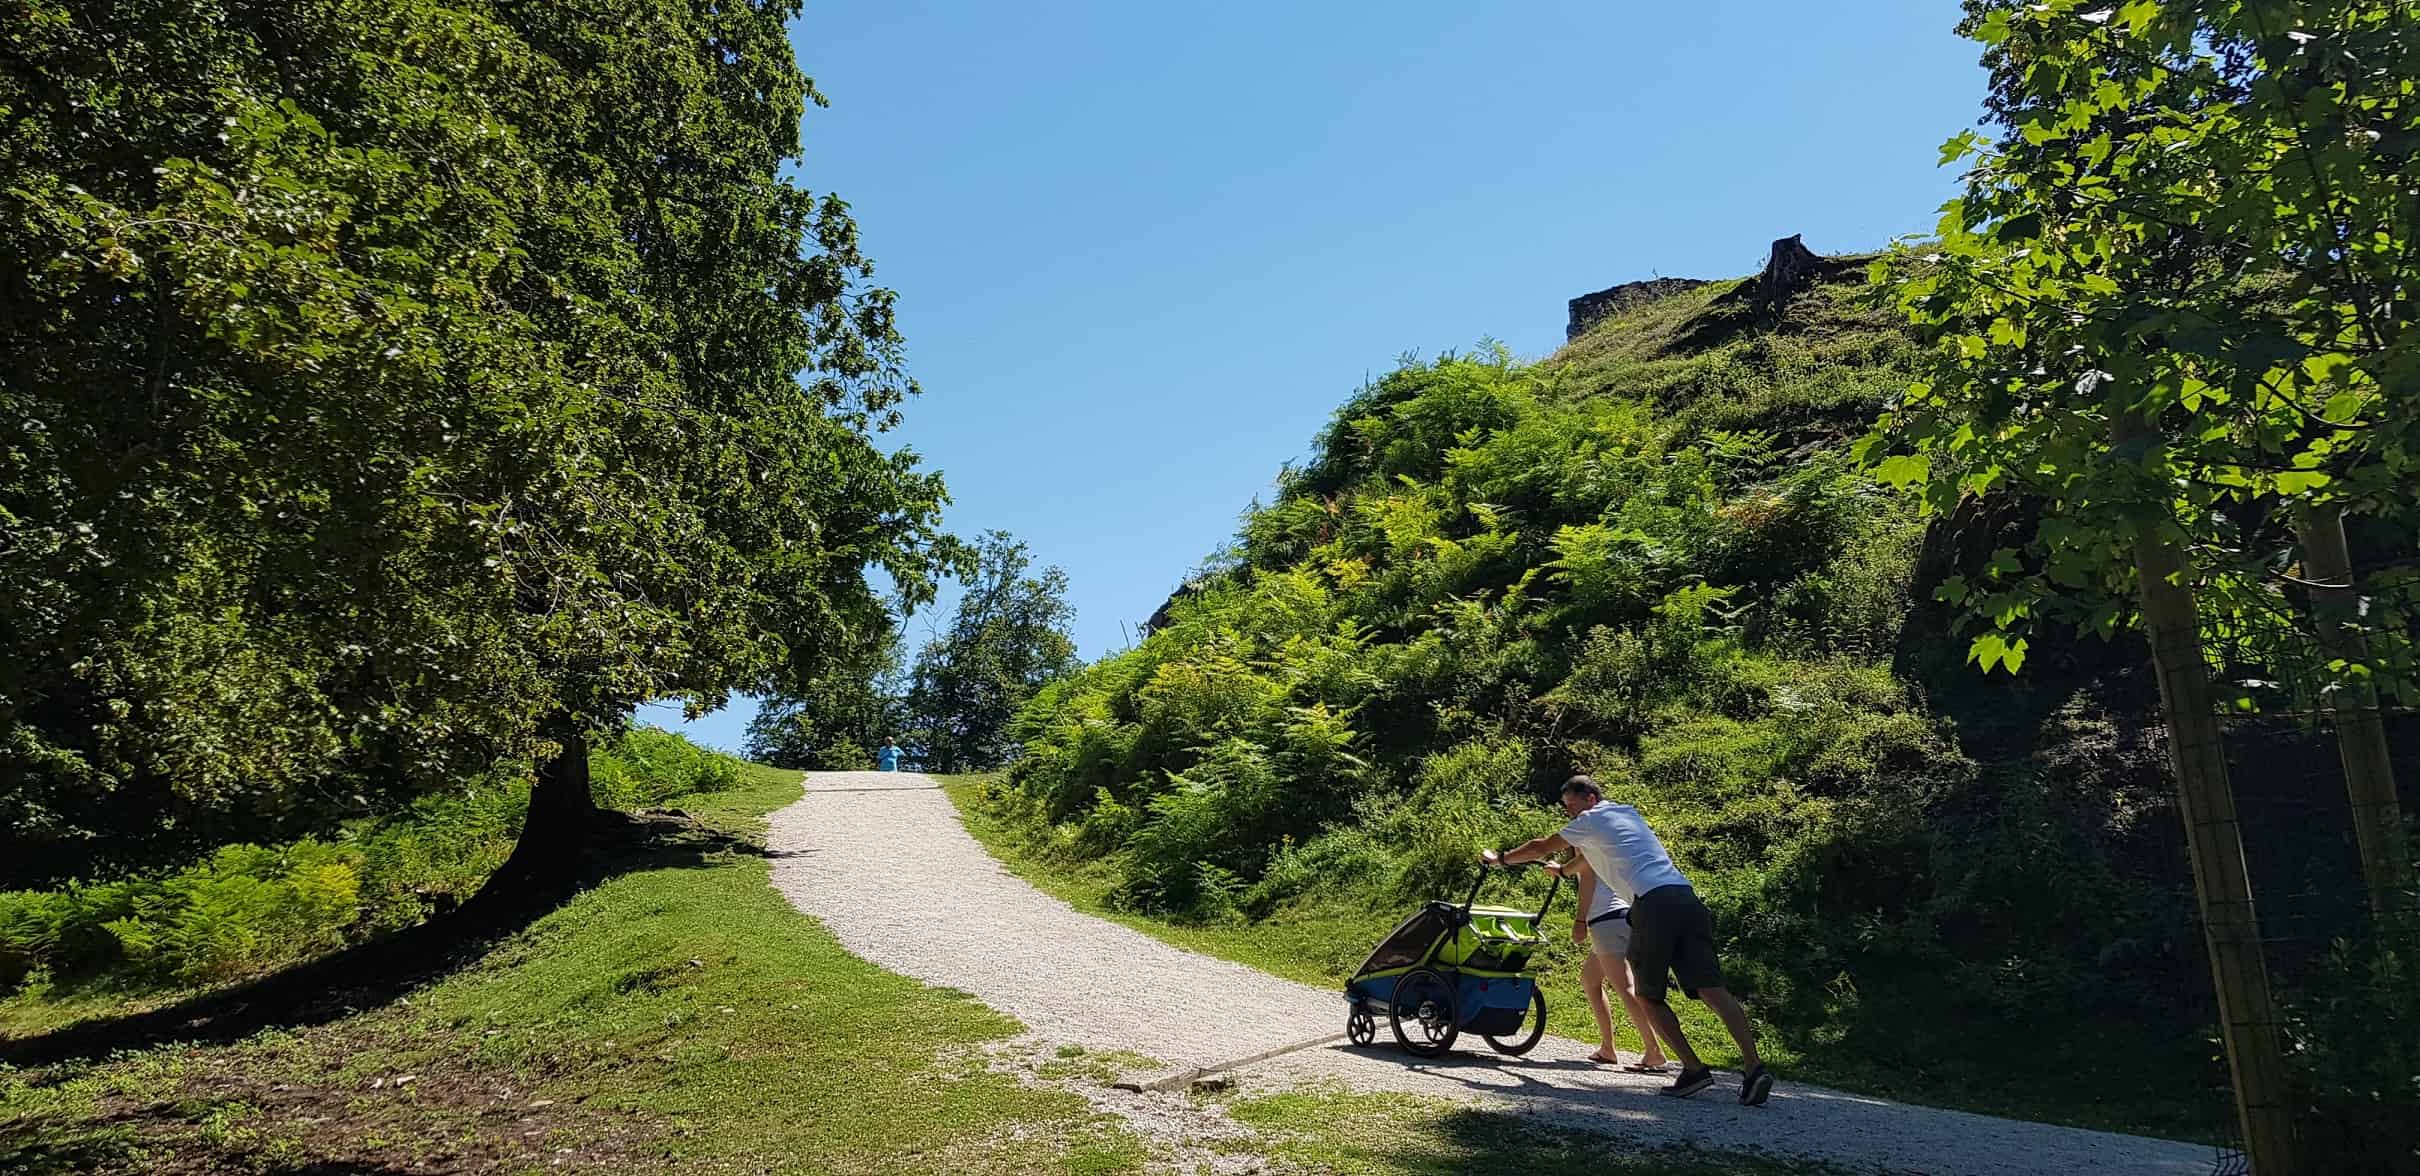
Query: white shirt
x: 1622, y: 851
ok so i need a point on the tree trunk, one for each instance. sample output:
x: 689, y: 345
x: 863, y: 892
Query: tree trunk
x: 2221, y: 883
x: 2369, y: 774
x: 562, y: 816
x: 1788, y: 268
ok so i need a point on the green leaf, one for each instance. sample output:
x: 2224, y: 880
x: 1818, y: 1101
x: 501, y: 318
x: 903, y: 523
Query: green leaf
x: 1965, y: 143
x: 1986, y: 650
x: 2344, y: 407
x: 1905, y: 469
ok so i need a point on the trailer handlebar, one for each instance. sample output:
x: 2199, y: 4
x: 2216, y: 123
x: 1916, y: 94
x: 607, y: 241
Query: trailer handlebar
x: 1473, y: 896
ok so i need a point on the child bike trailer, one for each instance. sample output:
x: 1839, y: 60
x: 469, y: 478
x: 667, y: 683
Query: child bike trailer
x: 1452, y: 967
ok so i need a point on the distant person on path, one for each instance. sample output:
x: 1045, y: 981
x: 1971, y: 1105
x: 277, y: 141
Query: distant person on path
x: 1603, y: 924
x: 887, y: 757
x: 1670, y: 929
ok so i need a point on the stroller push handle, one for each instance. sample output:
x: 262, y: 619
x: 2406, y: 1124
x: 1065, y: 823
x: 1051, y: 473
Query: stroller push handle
x: 1499, y: 863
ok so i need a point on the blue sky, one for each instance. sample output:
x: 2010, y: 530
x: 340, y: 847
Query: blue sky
x: 1142, y: 251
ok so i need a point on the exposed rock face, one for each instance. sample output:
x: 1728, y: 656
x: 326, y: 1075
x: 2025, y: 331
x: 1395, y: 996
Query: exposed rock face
x: 1588, y: 310
x: 1787, y: 270
x: 1161, y: 615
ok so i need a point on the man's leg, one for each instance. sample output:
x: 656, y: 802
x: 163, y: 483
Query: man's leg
x: 1650, y: 973
x: 1735, y: 1019
x: 1592, y: 978
x: 1701, y: 973
x: 1657, y: 928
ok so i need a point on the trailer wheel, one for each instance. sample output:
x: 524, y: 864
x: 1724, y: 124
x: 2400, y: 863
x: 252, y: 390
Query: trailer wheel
x: 1360, y: 1027
x: 1524, y: 1042
x: 1424, y: 1013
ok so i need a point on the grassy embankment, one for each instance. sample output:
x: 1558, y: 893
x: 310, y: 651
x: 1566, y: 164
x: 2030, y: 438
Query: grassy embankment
x: 682, y: 1017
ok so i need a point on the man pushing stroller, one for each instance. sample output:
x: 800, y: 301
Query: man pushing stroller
x: 1671, y: 932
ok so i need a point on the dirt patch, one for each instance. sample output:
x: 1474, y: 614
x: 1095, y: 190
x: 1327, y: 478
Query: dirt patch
x: 1184, y: 1133
x: 309, y: 1103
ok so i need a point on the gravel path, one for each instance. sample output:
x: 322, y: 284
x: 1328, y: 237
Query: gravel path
x: 881, y: 859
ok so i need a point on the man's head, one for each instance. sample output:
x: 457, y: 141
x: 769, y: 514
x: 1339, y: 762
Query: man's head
x: 1580, y: 794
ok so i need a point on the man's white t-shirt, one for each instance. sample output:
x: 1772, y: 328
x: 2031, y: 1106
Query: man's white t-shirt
x: 1622, y: 851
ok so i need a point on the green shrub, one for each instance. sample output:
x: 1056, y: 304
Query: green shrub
x: 243, y: 909
x: 1216, y: 822
x: 246, y: 909
x: 2354, y: 1030
x: 249, y: 908
x: 1350, y: 860
x: 1465, y: 798
x: 438, y: 851
x: 643, y: 766
x: 1106, y: 827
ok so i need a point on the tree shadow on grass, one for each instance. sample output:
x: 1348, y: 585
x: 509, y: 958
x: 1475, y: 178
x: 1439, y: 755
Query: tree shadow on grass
x: 97, y: 1152
x: 1467, y: 1139
x: 375, y: 973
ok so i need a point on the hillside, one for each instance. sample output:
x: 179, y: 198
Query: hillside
x: 1650, y: 557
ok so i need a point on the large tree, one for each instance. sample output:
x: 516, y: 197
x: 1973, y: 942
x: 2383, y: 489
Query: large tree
x: 395, y: 388
x: 1008, y: 639
x: 2175, y: 306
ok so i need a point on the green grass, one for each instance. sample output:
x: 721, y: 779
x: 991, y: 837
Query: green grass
x: 680, y: 1017
x: 2110, y: 1080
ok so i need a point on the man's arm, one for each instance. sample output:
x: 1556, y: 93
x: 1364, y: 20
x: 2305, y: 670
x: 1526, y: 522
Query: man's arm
x: 1531, y: 850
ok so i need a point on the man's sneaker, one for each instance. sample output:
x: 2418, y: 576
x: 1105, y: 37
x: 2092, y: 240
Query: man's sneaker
x: 1755, y: 1086
x: 1689, y: 1083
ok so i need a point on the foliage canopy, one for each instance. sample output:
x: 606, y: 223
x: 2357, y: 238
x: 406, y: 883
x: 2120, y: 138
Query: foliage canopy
x: 2177, y: 296
x: 388, y: 381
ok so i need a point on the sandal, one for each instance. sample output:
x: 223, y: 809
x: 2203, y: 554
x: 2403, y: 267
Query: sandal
x: 1599, y: 1058
x: 1648, y: 1067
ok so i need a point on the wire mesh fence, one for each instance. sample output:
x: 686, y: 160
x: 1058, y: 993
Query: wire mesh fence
x: 2321, y: 940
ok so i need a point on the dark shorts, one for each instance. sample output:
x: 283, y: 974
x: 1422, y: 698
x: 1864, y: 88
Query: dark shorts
x: 1671, y: 931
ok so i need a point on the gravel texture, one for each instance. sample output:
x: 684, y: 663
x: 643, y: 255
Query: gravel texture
x: 881, y: 859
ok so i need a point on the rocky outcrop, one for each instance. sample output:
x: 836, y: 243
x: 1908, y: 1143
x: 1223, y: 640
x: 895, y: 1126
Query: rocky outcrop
x: 1588, y: 310
x: 1788, y: 269
x: 1161, y: 615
